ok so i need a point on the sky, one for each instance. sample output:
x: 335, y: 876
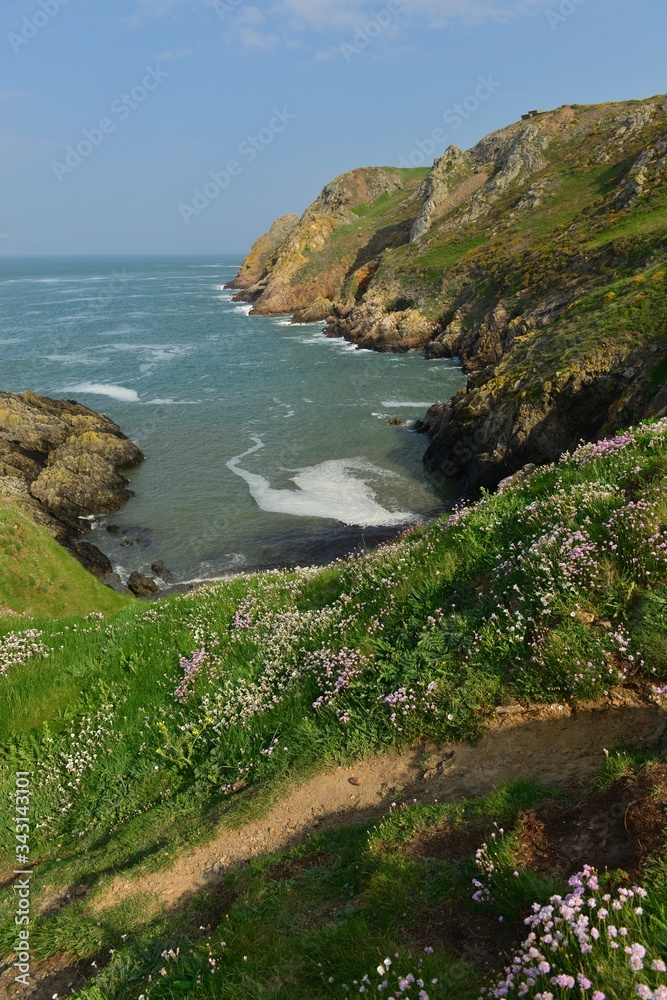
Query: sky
x: 187, y: 126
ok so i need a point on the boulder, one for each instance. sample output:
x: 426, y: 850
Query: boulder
x: 142, y: 586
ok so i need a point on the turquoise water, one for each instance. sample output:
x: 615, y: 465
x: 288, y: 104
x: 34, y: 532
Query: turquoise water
x: 266, y: 443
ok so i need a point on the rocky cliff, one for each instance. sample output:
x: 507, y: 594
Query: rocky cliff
x: 62, y: 463
x: 539, y: 257
x: 356, y: 217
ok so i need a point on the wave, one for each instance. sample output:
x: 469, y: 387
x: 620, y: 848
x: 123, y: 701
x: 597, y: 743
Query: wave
x: 100, y: 389
x: 172, y: 402
x: 328, y: 490
x: 75, y: 359
x: 398, y: 403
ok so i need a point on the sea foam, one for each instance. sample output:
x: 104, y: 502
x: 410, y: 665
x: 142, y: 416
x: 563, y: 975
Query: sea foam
x: 99, y: 389
x: 328, y: 490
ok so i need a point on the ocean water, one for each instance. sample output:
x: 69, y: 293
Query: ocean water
x: 266, y: 443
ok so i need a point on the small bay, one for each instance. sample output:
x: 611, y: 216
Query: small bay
x: 266, y: 443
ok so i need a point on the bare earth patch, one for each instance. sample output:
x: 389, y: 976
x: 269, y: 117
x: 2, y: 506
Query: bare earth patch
x: 556, y: 746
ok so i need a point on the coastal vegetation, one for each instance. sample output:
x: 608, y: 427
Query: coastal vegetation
x: 149, y: 728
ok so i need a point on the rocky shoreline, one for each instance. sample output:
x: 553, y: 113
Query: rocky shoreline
x: 539, y: 258
x: 62, y: 463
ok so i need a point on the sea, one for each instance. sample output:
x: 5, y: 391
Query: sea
x: 267, y: 444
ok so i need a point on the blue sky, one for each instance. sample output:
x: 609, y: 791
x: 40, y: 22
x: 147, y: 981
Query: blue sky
x: 274, y: 99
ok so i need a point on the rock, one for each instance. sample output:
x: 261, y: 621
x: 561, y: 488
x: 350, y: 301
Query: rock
x: 93, y: 559
x: 161, y: 570
x: 319, y: 309
x: 142, y: 586
x: 113, y: 529
x: 262, y: 250
x: 355, y: 781
x: 69, y: 460
x: 446, y: 175
x: 285, y: 282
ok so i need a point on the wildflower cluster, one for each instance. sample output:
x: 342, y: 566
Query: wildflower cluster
x: 406, y: 701
x: 488, y: 885
x: 191, y: 668
x: 335, y: 673
x: 588, y: 453
x: 394, y: 985
x: 16, y: 648
x: 70, y: 756
x: 586, y: 944
x: 638, y: 540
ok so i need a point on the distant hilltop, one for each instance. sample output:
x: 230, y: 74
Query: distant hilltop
x: 538, y: 257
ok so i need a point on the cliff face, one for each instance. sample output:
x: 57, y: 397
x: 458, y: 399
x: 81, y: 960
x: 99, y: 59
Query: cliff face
x: 356, y: 217
x: 62, y: 462
x: 261, y: 251
x: 539, y: 257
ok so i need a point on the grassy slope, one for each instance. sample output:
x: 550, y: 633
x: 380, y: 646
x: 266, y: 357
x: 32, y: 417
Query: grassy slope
x: 38, y: 578
x: 553, y: 589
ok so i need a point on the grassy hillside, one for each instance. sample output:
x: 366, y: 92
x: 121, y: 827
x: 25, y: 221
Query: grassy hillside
x: 39, y: 578
x: 146, y: 733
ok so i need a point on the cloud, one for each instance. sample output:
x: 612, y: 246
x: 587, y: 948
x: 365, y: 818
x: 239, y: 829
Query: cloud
x: 253, y: 39
x: 286, y: 20
x: 171, y: 54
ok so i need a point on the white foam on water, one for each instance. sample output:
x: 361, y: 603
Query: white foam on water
x: 74, y: 359
x: 328, y: 490
x: 100, y: 389
x: 244, y: 309
x: 397, y: 403
x: 172, y: 402
x: 12, y: 340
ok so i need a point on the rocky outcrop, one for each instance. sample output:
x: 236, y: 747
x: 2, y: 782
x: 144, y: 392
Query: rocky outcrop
x: 142, y: 586
x: 254, y: 265
x: 301, y: 276
x: 64, y: 463
x: 485, y: 434
x: 646, y: 169
x: 445, y: 177
x: 371, y: 326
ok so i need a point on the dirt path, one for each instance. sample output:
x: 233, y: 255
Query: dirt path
x: 555, y: 746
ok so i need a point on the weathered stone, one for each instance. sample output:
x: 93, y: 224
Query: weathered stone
x: 69, y: 460
x: 142, y: 586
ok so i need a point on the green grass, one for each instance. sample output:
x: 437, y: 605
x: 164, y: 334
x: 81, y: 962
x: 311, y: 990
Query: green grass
x: 417, y: 641
x: 438, y: 260
x: 38, y: 577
